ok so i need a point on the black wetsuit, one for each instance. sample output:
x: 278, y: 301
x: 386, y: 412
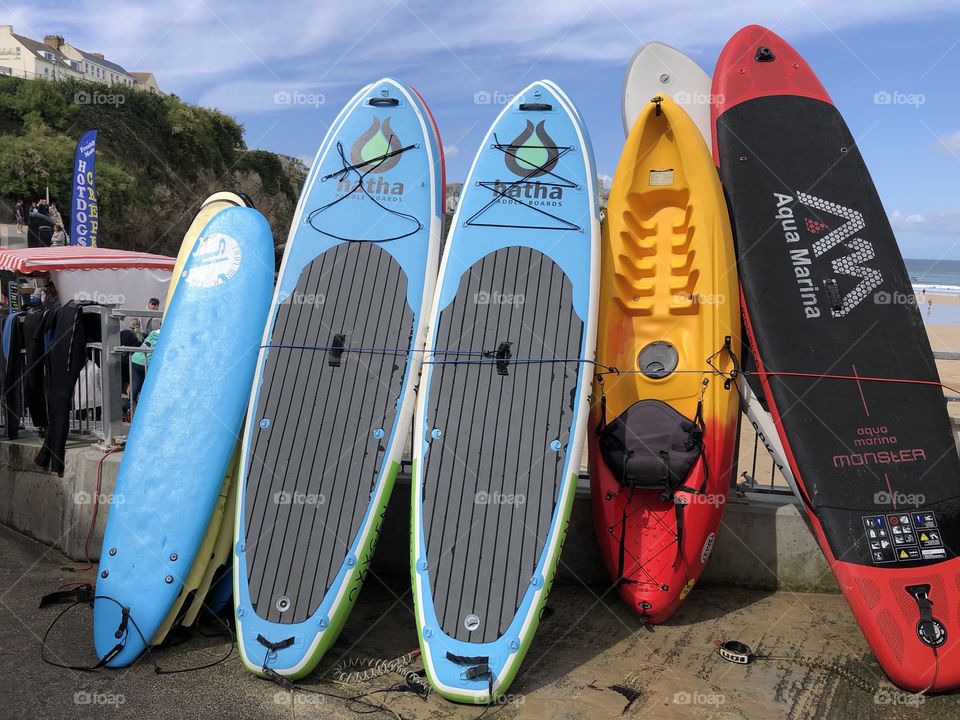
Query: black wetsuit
x: 12, y: 374
x: 34, y: 385
x: 66, y: 357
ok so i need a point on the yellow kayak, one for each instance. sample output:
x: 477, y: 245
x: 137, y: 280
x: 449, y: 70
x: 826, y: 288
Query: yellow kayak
x: 665, y: 417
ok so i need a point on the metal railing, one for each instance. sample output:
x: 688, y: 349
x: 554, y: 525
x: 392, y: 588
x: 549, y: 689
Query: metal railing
x: 760, y: 473
x: 101, y: 407
x: 115, y: 428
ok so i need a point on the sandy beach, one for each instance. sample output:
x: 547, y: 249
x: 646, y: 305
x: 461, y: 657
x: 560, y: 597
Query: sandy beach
x: 944, y: 337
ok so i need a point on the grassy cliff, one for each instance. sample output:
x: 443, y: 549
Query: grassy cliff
x: 157, y: 159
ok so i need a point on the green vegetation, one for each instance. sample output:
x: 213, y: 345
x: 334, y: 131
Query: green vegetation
x: 157, y: 159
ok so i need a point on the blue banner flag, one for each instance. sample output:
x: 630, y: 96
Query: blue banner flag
x: 84, y: 207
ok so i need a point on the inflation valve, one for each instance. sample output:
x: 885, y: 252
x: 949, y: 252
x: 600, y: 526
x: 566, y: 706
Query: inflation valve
x: 930, y: 630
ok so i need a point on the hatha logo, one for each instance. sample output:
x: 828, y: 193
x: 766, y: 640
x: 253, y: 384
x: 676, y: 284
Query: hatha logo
x: 372, y: 147
x: 533, y: 153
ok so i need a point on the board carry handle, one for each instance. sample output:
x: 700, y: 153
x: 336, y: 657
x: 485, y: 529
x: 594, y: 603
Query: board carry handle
x: 384, y: 102
x: 536, y: 107
x: 764, y: 54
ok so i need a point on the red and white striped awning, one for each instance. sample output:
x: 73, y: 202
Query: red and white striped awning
x: 73, y: 257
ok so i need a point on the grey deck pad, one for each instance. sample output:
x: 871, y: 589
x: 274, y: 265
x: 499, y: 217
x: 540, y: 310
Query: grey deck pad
x: 491, y: 479
x: 313, y: 468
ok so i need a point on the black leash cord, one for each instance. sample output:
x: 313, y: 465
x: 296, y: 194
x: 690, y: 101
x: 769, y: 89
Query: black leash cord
x: 128, y: 619
x: 741, y: 654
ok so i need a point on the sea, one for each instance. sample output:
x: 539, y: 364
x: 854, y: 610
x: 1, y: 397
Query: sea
x: 936, y: 277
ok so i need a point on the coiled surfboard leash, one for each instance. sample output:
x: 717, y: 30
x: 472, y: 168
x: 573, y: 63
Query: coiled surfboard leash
x: 86, y: 596
x: 412, y: 681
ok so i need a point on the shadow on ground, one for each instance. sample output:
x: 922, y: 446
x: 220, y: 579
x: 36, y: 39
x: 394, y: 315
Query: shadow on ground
x: 591, y: 659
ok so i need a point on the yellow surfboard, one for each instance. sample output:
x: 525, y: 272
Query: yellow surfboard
x: 665, y: 412
x: 210, y: 207
x: 212, y: 552
x: 220, y: 553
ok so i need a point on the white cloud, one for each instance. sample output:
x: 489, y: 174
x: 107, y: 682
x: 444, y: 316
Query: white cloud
x: 248, y: 95
x: 192, y: 44
x: 940, y: 222
x: 948, y: 144
x: 450, y: 151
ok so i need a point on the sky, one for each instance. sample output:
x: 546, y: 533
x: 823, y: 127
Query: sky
x: 285, y: 68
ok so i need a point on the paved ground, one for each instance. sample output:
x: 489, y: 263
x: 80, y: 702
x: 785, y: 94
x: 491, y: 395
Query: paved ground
x: 589, y: 660
x: 10, y: 238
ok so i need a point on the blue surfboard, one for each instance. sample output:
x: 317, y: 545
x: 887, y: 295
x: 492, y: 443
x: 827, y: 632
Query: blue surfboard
x: 334, y: 391
x: 501, y: 411
x: 187, y: 424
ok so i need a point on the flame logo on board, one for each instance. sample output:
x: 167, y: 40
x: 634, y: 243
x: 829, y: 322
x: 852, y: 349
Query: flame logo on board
x: 378, y: 140
x: 533, y: 153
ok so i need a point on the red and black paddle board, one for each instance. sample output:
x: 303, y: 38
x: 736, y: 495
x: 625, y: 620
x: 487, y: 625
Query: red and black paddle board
x: 842, y: 356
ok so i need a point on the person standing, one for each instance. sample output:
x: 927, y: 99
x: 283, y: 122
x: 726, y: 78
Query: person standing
x: 18, y: 212
x: 139, y: 362
x: 152, y: 323
x: 51, y: 298
x: 130, y: 336
x: 59, y: 238
x: 55, y: 215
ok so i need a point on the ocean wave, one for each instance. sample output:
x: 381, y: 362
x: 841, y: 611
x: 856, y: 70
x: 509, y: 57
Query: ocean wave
x: 934, y: 289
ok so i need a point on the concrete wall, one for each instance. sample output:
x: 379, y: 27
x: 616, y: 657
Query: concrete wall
x: 51, y: 509
x: 764, y: 542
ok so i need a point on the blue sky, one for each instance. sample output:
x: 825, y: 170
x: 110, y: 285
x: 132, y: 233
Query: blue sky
x: 242, y: 56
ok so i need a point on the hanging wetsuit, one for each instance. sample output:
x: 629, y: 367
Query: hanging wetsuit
x: 12, y: 374
x: 33, y: 381
x: 65, y: 359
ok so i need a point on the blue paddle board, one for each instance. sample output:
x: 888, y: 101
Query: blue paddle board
x: 501, y: 411
x: 334, y: 392
x: 186, y: 427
